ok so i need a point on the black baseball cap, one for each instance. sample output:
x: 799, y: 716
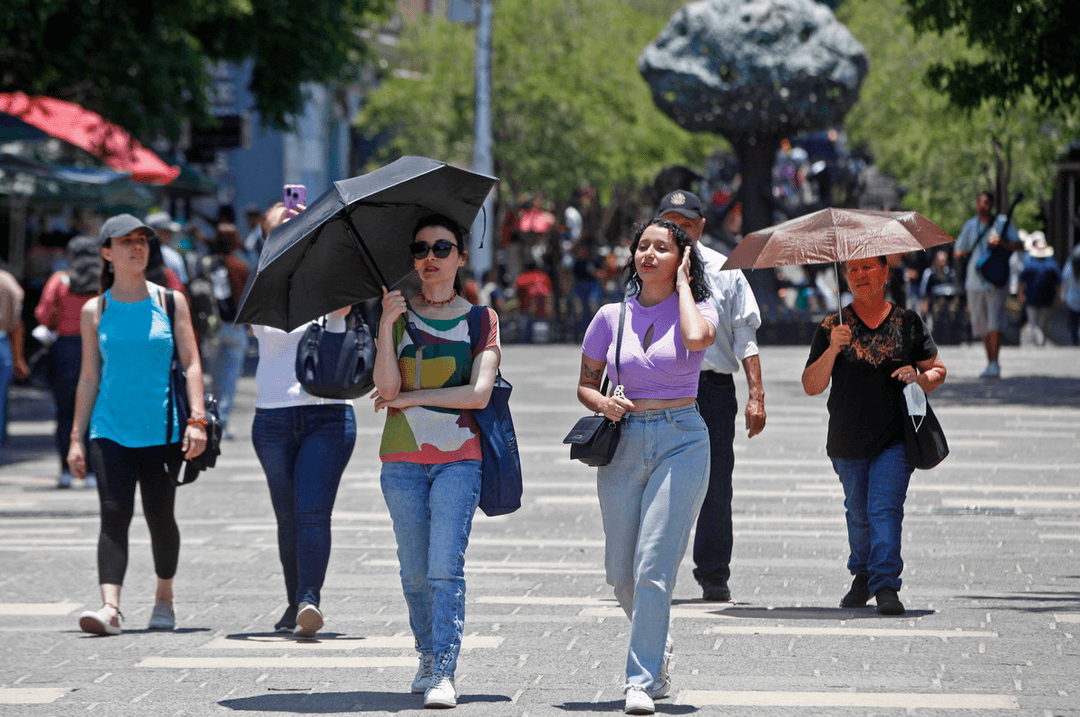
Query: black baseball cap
x: 685, y: 203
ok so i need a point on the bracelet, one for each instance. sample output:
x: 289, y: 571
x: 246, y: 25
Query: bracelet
x: 200, y: 422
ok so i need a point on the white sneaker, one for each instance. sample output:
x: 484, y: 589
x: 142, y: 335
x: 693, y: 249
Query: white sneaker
x: 664, y: 678
x: 99, y: 622
x: 441, y: 694
x: 638, y: 701
x: 309, y: 620
x: 424, y: 674
x: 993, y: 370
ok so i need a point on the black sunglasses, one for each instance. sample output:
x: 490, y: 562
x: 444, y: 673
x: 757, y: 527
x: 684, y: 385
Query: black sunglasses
x: 441, y: 248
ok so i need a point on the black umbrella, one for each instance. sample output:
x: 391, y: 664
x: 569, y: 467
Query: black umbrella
x: 354, y: 239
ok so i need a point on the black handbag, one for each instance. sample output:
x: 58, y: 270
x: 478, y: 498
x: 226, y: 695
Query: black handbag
x: 925, y: 440
x: 178, y: 398
x: 594, y: 439
x: 336, y: 365
x: 500, y: 480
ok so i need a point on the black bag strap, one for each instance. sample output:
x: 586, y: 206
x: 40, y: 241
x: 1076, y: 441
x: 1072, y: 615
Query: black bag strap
x: 170, y: 310
x: 618, y: 352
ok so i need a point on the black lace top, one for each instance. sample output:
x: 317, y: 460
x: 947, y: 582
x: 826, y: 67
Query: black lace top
x: 866, y: 404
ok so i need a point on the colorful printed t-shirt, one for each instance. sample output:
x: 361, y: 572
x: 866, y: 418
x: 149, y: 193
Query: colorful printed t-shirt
x: 431, y: 434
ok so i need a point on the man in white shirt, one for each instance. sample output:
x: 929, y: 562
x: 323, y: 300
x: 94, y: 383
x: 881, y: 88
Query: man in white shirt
x: 736, y: 343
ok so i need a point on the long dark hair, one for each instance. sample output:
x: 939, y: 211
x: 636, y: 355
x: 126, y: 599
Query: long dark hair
x: 699, y: 287
x: 107, y: 275
x: 441, y: 220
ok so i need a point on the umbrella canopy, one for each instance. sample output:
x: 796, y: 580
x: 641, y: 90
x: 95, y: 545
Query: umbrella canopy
x: 353, y: 240
x: 90, y: 131
x: 836, y: 235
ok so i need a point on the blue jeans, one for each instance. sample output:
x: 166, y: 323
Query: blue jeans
x: 874, y: 493
x: 432, y: 508
x: 7, y: 368
x: 225, y: 354
x: 304, y: 451
x: 66, y: 357
x: 713, y: 537
x: 650, y: 494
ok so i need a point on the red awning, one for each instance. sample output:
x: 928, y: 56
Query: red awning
x: 92, y: 132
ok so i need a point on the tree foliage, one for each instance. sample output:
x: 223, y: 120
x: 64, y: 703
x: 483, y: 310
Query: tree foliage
x: 568, y: 103
x: 1023, y: 46
x: 143, y: 65
x: 941, y: 153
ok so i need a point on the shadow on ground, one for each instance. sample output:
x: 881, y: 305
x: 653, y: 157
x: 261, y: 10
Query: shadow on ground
x: 334, y: 702
x: 1033, y: 602
x: 662, y: 708
x: 814, y: 613
x: 1049, y: 391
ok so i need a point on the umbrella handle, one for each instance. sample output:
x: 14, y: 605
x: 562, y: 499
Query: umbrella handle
x: 409, y: 328
x: 839, y: 308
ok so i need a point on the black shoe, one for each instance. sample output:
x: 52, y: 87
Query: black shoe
x: 287, y: 623
x: 888, y: 602
x: 858, y: 594
x: 715, y: 593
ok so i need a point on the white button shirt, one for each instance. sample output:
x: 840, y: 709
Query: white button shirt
x: 736, y: 333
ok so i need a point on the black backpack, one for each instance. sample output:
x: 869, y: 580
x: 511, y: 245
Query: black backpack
x: 211, y: 296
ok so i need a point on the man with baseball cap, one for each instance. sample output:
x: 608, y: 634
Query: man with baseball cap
x: 736, y: 343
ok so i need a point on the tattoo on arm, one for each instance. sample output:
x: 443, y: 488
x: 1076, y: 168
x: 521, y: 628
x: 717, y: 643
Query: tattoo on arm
x: 591, y: 375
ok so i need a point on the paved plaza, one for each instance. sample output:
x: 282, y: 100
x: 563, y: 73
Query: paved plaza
x: 991, y: 581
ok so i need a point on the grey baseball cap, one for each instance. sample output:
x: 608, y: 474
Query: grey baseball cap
x: 121, y: 225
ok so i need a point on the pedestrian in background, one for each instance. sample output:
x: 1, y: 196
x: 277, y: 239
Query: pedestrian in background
x: 12, y: 362
x: 1039, y: 282
x: 128, y: 342
x: 1070, y: 294
x: 735, y: 346
x: 226, y: 349
x: 986, y: 302
x: 303, y: 443
x: 868, y: 358
x: 652, y: 490
x: 430, y: 447
x: 62, y: 300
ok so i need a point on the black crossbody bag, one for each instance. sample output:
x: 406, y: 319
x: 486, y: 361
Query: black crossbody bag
x: 593, y: 439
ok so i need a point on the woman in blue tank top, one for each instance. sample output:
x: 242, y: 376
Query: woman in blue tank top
x: 127, y: 346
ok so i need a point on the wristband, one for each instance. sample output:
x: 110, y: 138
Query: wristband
x: 200, y: 422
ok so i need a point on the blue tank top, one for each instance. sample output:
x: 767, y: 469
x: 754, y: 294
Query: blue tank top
x: 136, y: 345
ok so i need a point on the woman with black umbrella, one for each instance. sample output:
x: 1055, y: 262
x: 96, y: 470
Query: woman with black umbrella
x: 429, y: 372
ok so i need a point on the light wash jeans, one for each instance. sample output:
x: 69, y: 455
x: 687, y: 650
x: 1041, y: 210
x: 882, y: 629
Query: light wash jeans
x: 225, y: 353
x: 650, y: 495
x: 432, y: 508
x: 874, y: 494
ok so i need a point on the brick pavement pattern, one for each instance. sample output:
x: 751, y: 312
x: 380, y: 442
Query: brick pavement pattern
x: 991, y: 583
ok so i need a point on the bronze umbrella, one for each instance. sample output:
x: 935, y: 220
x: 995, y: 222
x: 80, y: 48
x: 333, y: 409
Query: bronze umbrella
x: 833, y: 236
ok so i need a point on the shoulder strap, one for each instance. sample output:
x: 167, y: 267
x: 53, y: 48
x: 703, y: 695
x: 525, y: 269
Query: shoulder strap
x: 169, y: 310
x: 618, y: 341
x: 475, y: 314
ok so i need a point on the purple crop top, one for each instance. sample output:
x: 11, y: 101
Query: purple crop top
x: 666, y: 369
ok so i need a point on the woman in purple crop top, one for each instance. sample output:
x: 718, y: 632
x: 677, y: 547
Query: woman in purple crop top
x: 651, y: 491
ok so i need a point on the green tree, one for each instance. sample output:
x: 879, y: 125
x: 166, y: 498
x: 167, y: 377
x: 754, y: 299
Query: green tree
x: 1021, y: 46
x: 568, y: 103
x: 940, y: 152
x: 143, y: 65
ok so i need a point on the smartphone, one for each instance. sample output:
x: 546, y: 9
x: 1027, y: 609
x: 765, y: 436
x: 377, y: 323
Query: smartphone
x: 295, y: 196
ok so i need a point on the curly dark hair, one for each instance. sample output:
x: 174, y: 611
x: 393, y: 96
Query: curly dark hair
x: 699, y: 287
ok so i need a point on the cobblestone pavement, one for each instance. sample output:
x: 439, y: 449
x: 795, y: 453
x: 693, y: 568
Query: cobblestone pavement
x: 991, y: 582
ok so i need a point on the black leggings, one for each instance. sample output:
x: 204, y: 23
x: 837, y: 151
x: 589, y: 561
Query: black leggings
x: 118, y: 469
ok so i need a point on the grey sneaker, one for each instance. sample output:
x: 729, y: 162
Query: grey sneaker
x: 441, y: 694
x: 163, y: 618
x: 424, y: 674
x: 638, y: 701
x: 309, y: 620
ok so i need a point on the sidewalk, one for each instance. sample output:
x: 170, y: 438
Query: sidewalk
x: 991, y: 581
